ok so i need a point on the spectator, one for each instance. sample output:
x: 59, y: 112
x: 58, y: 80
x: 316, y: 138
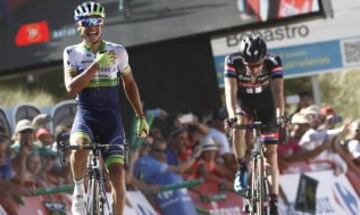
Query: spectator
x: 286, y: 152
x: 6, y: 174
x: 312, y: 146
x: 24, y: 136
x: 34, y: 168
x: 194, y: 135
x: 216, y: 131
x: 206, y: 167
x: 44, y: 138
x: 177, y: 146
x: 329, y: 117
x: 24, y: 150
x: 313, y: 139
x: 354, y: 141
x: 154, y: 169
x: 312, y: 112
x: 156, y: 133
x: 6, y: 171
x: 40, y: 121
x: 47, y: 174
x: 132, y: 181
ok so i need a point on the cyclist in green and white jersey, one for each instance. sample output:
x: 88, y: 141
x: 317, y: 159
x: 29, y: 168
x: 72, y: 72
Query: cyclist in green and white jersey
x: 91, y: 71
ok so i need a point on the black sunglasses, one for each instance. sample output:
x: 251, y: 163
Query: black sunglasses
x: 159, y: 150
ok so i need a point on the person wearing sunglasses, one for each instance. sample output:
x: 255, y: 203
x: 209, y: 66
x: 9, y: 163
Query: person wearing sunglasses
x: 93, y: 70
x: 254, y: 89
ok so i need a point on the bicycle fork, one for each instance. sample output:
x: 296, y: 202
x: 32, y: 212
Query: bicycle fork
x: 259, y: 190
x: 96, y: 189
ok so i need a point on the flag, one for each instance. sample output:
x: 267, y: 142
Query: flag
x: 32, y: 33
x: 306, y: 194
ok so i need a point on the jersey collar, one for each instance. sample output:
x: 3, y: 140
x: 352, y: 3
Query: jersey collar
x: 101, y: 47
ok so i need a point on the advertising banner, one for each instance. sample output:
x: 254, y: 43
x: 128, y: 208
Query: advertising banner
x: 36, y: 32
x: 306, y: 48
x: 138, y: 204
x: 222, y: 203
x: 334, y: 195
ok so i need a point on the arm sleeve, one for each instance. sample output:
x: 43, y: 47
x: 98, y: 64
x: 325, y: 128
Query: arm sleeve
x: 229, y: 68
x: 220, y: 138
x: 333, y: 132
x: 123, y: 61
x: 69, y: 61
x: 275, y: 67
x: 153, y: 167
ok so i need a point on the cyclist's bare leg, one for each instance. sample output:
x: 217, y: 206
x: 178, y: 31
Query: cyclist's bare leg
x: 271, y: 157
x: 239, y: 139
x: 239, y: 147
x: 118, y: 190
x: 78, y: 159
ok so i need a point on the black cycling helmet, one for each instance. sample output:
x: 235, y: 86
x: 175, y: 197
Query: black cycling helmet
x: 253, y: 48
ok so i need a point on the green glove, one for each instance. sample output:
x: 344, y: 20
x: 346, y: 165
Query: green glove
x: 105, y: 59
x: 142, y: 127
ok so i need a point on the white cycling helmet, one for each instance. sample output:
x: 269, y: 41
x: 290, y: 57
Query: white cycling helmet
x: 87, y: 9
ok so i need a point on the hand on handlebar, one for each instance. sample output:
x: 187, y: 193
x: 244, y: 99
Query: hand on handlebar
x: 282, y: 121
x: 284, y: 124
x: 228, y: 123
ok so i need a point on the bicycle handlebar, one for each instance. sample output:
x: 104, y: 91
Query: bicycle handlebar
x: 254, y: 125
x: 283, y: 131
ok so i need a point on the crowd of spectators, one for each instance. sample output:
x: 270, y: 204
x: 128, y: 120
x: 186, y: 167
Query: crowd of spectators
x: 182, y: 147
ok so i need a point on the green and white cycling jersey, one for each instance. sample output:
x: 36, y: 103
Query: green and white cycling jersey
x: 102, y: 92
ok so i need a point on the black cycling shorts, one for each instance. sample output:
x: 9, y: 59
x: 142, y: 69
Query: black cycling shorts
x: 260, y: 107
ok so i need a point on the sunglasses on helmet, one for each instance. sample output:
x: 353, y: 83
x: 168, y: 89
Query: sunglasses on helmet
x: 91, y: 22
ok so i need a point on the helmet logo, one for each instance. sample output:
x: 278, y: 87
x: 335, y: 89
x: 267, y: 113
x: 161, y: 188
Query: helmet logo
x: 249, y: 53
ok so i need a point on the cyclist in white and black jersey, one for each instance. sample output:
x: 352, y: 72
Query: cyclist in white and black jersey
x: 91, y: 71
x: 254, y: 88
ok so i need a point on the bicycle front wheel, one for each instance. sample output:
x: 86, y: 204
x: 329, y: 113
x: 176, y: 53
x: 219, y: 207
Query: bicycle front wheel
x: 260, y: 186
x: 93, y: 197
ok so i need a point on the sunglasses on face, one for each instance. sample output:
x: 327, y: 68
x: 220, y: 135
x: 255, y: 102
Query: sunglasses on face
x: 160, y: 151
x: 254, y: 65
x: 91, y: 22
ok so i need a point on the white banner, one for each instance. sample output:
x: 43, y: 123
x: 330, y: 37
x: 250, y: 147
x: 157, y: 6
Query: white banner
x: 334, y: 196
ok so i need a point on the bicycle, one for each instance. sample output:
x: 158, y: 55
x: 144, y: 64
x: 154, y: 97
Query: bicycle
x: 96, y: 199
x: 258, y: 195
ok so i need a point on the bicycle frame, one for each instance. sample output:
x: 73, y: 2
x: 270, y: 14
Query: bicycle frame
x: 96, y: 199
x: 258, y: 195
x: 259, y: 190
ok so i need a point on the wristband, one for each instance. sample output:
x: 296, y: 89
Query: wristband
x: 139, y: 116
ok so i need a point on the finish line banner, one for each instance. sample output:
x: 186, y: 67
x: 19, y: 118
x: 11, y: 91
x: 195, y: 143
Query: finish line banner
x: 334, y: 195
